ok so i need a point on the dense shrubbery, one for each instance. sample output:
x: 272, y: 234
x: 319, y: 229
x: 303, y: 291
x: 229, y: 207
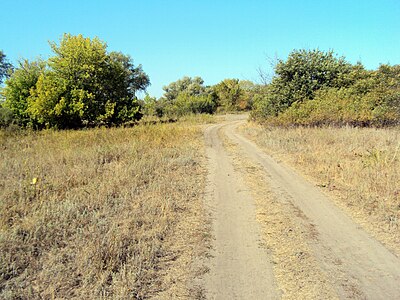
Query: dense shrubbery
x: 234, y: 95
x: 192, y: 104
x: 190, y: 96
x: 316, y: 88
x: 81, y: 85
x: 84, y: 85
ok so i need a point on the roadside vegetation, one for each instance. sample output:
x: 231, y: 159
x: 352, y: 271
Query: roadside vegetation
x: 190, y: 96
x: 315, y: 88
x: 81, y: 85
x: 102, y: 213
x: 84, y: 86
x: 358, y: 167
x: 313, y: 115
x: 101, y: 191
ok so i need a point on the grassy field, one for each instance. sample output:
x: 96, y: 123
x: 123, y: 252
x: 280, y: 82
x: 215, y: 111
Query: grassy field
x: 102, y: 213
x: 358, y: 167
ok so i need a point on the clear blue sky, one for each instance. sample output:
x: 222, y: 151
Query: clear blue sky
x: 213, y: 39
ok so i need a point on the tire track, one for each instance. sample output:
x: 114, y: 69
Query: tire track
x: 360, y: 267
x: 240, y: 267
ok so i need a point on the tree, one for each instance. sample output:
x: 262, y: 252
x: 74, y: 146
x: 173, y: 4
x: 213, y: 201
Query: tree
x: 229, y: 93
x: 190, y: 86
x: 5, y: 67
x: 82, y: 85
x: 19, y: 87
x: 303, y: 73
x: 123, y: 82
x: 187, y: 96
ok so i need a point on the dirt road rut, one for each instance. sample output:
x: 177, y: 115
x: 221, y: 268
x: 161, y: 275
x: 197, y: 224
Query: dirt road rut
x: 240, y: 268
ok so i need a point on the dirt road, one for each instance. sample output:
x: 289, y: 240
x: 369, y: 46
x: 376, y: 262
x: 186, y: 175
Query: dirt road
x: 240, y: 268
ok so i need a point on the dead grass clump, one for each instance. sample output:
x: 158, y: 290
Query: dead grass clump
x: 360, y: 167
x: 100, y: 213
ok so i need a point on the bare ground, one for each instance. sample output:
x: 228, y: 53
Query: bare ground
x: 239, y: 267
x: 355, y: 264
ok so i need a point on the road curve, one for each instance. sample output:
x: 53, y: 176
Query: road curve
x: 240, y: 268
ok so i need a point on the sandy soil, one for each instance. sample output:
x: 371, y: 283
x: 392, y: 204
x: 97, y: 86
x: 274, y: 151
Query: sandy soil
x: 240, y: 267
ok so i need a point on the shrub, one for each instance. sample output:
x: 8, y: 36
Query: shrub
x: 315, y: 88
x: 187, y: 104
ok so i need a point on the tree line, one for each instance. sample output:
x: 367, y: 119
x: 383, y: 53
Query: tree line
x: 190, y: 96
x: 314, y: 88
x: 84, y: 85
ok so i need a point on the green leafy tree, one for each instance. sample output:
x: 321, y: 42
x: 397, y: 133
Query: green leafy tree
x: 235, y: 95
x: 152, y: 107
x: 187, y: 96
x: 19, y: 87
x: 5, y: 67
x: 123, y: 81
x: 230, y: 94
x: 303, y: 73
x: 249, y: 90
x: 82, y: 85
x: 190, y: 86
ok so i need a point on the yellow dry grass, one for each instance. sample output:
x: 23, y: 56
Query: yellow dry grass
x: 358, y: 167
x: 101, y: 213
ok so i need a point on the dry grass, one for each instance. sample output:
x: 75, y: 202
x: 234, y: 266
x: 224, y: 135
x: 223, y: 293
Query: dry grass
x: 358, y: 167
x: 286, y: 234
x: 102, y: 213
x: 192, y: 119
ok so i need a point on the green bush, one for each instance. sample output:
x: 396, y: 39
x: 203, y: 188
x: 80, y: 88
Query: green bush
x: 305, y: 72
x: 186, y: 104
x: 313, y: 88
x: 81, y: 85
x: 19, y: 88
x: 342, y: 107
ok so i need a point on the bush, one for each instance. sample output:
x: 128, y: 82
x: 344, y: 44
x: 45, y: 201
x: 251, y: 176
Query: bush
x: 342, y: 107
x: 153, y: 107
x: 19, y: 87
x: 6, y: 117
x: 186, y: 104
x: 305, y: 72
x: 315, y: 88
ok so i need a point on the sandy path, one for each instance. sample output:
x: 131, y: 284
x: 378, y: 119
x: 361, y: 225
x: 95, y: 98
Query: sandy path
x: 359, y: 266
x: 239, y: 268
